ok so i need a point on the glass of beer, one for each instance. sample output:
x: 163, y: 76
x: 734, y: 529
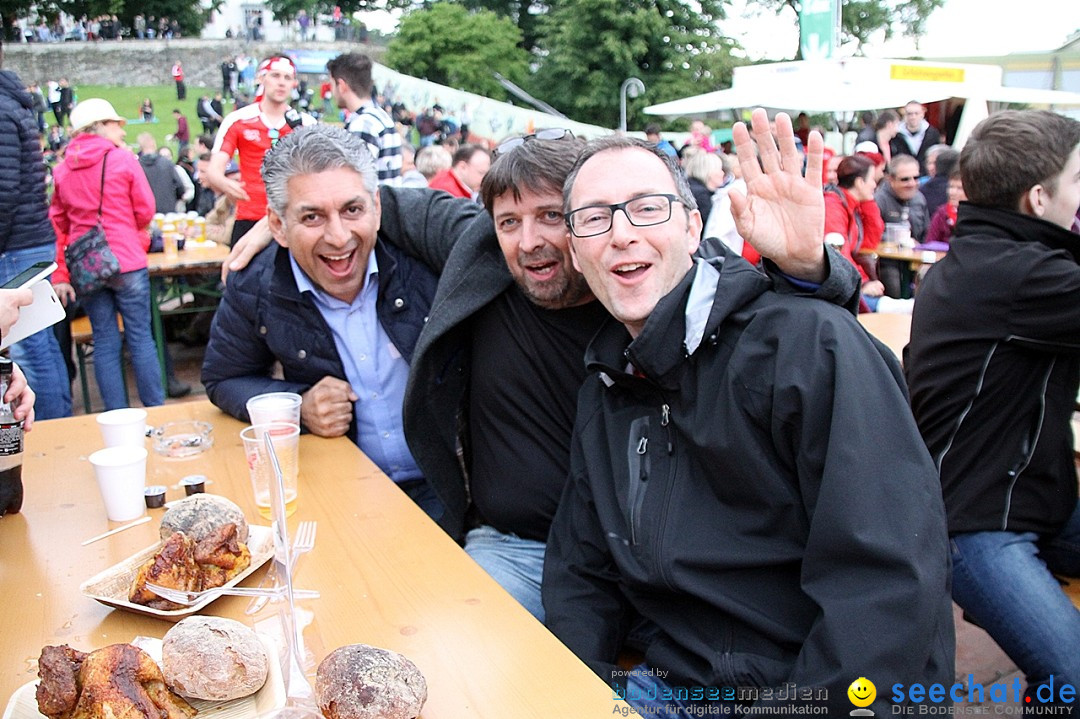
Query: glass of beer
x: 286, y: 440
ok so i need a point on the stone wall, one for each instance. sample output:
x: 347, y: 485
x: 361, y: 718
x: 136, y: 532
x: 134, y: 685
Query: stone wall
x: 145, y: 62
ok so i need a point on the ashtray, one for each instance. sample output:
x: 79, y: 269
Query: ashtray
x: 185, y: 438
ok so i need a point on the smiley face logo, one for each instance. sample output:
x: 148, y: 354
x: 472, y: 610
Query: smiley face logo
x: 862, y: 692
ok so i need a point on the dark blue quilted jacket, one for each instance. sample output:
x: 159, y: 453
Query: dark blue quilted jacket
x: 24, y: 217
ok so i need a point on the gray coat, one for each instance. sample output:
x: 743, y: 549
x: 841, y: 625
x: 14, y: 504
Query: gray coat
x: 892, y: 206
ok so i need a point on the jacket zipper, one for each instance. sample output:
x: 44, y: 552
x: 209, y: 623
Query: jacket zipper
x: 665, y: 422
x: 639, y: 474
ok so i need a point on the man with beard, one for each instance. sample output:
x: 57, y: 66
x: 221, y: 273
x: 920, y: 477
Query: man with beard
x: 494, y: 377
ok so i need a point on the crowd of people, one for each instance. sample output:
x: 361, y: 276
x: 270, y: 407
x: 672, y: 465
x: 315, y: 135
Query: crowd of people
x: 83, y: 29
x: 629, y: 378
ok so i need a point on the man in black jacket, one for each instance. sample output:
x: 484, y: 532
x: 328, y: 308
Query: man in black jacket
x: 728, y: 483
x: 27, y: 237
x: 340, y: 310
x: 993, y: 367
x: 495, y: 374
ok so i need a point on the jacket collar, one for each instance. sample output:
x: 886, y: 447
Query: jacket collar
x: 661, y: 347
x: 974, y: 220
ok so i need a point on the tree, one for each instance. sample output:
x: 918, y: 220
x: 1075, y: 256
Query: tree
x: 588, y: 47
x: 190, y: 15
x: 860, y: 19
x: 447, y: 44
x: 523, y: 13
x: 285, y: 11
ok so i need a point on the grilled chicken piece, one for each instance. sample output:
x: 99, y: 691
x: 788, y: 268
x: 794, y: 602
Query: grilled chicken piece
x: 173, y: 566
x: 221, y: 556
x: 58, y: 692
x: 119, y: 681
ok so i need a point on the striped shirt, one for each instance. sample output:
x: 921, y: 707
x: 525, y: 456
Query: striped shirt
x: 377, y: 130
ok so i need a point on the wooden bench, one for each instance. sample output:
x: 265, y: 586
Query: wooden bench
x: 82, y: 336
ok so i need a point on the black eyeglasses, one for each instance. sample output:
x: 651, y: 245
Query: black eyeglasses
x: 643, y: 211
x: 909, y: 178
x: 552, y: 133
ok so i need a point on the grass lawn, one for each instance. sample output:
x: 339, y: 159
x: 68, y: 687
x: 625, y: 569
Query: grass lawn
x: 127, y: 101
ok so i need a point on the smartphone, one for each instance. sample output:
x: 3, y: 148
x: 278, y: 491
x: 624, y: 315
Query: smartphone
x: 30, y: 276
x: 45, y: 311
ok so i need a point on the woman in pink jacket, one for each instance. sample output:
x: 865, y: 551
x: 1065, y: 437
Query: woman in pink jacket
x: 126, y: 208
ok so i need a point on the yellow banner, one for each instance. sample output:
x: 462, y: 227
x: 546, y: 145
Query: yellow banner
x: 923, y: 73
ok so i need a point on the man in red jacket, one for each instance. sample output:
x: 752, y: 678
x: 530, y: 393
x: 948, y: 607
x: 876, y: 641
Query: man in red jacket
x: 470, y: 164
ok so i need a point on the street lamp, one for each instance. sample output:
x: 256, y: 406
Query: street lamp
x: 633, y: 87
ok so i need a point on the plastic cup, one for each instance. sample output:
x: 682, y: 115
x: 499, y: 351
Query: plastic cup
x: 121, y: 477
x: 285, y: 437
x: 274, y: 407
x: 123, y: 427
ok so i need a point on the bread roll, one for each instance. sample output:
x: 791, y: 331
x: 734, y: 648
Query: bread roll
x: 364, y: 682
x: 213, y: 658
x: 200, y: 514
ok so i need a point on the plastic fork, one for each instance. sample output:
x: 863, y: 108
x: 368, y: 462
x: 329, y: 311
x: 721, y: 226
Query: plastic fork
x: 178, y: 596
x: 303, y: 542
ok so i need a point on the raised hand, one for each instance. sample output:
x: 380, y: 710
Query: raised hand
x: 783, y: 213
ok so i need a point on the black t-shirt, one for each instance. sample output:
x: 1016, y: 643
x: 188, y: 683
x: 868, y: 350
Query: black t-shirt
x: 527, y: 367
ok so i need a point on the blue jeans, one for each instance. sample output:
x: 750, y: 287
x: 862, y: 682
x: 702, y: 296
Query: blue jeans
x: 516, y: 564
x: 39, y: 354
x: 1004, y: 581
x: 420, y: 492
x: 129, y: 294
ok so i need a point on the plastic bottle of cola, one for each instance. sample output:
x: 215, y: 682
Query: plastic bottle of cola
x: 11, y: 448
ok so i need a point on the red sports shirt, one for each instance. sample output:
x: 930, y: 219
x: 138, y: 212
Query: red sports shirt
x: 245, y: 132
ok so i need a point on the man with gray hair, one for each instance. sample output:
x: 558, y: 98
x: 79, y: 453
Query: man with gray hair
x: 338, y: 308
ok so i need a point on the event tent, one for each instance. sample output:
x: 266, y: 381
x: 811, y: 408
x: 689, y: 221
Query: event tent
x: 853, y: 84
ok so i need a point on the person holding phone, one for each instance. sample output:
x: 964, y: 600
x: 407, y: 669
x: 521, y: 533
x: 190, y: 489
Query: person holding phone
x: 10, y: 302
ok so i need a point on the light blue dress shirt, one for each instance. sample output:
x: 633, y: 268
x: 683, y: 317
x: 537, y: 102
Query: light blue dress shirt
x: 374, y: 368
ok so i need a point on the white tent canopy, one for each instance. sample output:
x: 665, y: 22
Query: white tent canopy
x: 853, y: 84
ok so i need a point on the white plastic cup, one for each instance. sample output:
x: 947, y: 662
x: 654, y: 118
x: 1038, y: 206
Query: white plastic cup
x: 123, y: 427
x: 275, y: 407
x: 121, y: 478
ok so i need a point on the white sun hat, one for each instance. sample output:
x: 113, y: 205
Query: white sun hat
x: 92, y: 110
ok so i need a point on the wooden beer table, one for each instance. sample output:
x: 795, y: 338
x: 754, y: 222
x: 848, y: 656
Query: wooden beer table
x: 387, y: 574
x: 193, y: 263
x: 894, y: 331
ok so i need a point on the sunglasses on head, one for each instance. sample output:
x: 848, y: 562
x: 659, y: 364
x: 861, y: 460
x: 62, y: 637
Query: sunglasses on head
x: 553, y: 133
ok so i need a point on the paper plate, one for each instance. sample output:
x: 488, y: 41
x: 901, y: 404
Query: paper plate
x: 111, y: 586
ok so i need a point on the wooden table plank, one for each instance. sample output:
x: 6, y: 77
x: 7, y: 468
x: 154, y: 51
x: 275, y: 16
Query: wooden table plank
x: 388, y: 575
x: 893, y: 330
